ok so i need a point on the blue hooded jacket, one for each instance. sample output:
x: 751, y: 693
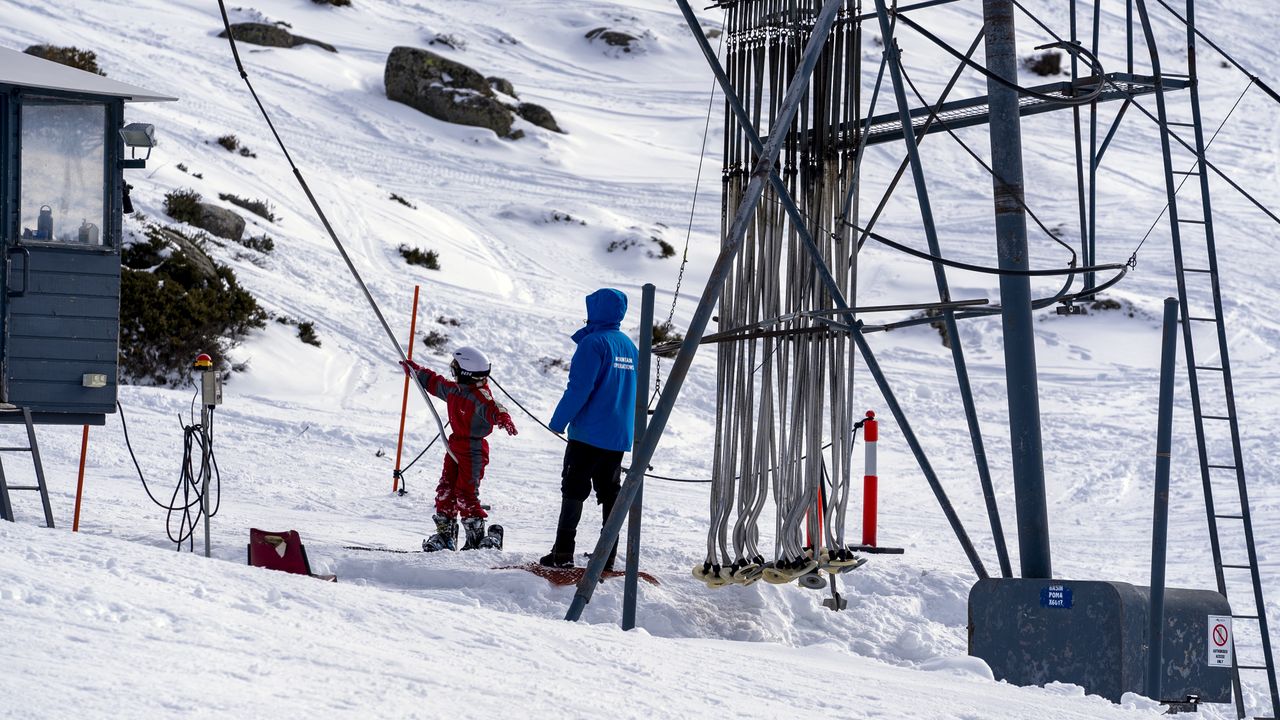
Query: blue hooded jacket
x: 599, y: 405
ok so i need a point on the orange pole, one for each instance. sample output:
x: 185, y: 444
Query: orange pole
x: 84, y: 447
x: 404, y: 401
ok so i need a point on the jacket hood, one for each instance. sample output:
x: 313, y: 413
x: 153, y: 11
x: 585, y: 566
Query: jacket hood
x: 606, y: 305
x: 605, y: 309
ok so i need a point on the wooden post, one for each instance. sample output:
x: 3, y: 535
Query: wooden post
x: 404, y: 401
x: 84, y: 447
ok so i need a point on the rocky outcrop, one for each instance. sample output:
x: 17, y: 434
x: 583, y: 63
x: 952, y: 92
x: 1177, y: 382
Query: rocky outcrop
x: 626, y: 42
x: 503, y: 86
x: 539, y: 116
x: 450, y: 91
x: 271, y: 36
x: 220, y: 221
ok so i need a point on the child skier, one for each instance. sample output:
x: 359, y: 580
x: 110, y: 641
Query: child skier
x: 473, y: 413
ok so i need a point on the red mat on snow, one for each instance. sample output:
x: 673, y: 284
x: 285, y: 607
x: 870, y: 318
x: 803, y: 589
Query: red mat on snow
x: 569, y: 576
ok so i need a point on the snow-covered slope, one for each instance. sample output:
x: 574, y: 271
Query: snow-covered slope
x: 306, y: 434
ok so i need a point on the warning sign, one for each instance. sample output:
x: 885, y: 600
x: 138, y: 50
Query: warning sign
x: 1219, y: 641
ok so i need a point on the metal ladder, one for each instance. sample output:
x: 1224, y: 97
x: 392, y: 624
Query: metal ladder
x: 6, y: 505
x: 1212, y: 391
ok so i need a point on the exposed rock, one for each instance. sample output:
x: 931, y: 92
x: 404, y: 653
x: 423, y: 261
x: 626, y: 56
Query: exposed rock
x: 202, y: 263
x: 220, y: 221
x: 335, y: 3
x: 449, y: 40
x: 271, y: 36
x: 445, y: 90
x: 614, y: 38
x: 538, y: 115
x: 503, y: 86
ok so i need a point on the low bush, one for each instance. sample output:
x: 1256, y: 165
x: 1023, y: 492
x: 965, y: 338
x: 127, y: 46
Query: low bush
x: 172, y: 309
x: 428, y: 259
x: 1045, y: 64
x: 307, y: 333
x: 86, y: 60
x: 183, y: 205
x: 230, y: 142
x: 663, y: 333
x: 263, y: 244
x: 261, y: 208
x: 435, y: 340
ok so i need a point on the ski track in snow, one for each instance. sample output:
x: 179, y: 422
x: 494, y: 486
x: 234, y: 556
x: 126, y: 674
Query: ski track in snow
x: 306, y: 437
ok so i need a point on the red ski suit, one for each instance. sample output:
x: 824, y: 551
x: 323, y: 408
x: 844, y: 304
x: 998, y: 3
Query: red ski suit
x: 472, y: 415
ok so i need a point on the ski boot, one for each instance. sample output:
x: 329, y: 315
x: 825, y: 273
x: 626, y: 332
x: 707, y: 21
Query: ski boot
x: 492, y: 539
x: 446, y: 537
x: 474, y: 527
x: 556, y: 560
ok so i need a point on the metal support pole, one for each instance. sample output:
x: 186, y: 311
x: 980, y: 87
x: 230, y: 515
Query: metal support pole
x: 1015, y: 294
x: 824, y: 275
x: 206, y: 472
x: 1160, y: 515
x: 1090, y: 279
x: 743, y: 217
x: 631, y: 584
x: 892, y: 54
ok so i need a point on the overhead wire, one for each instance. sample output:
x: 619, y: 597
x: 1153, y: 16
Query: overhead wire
x: 315, y: 205
x: 684, y: 258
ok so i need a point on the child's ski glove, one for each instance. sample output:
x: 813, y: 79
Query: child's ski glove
x: 504, y: 422
x: 410, y: 367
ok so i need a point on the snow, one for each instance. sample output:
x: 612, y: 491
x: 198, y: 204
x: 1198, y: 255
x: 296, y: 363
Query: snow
x: 119, y: 624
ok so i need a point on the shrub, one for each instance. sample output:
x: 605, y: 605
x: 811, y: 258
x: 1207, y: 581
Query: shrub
x: 175, y: 310
x: 1044, y: 64
x: 435, y: 340
x: 263, y: 244
x: 335, y: 3
x: 664, y: 333
x: 307, y: 333
x: 451, y: 322
x: 183, y: 205
x: 86, y: 60
x: 427, y: 259
x: 403, y: 202
x: 230, y: 142
x: 261, y: 208
x: 665, y: 250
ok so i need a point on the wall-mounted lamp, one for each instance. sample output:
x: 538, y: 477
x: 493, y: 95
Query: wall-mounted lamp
x: 139, y: 135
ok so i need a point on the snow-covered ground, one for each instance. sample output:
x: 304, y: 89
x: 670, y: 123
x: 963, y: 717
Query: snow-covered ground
x: 112, y: 622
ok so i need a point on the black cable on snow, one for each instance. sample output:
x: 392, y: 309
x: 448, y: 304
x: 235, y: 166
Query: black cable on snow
x: 324, y: 220
x: 190, y: 482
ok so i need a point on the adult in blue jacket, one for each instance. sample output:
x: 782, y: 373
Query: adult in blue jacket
x: 598, y: 408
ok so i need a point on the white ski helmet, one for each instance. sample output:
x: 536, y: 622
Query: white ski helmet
x: 469, y: 365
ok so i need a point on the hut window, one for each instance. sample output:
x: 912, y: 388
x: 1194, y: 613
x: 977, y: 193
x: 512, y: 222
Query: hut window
x: 63, y: 173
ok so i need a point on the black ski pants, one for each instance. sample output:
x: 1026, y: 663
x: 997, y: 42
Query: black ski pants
x: 585, y: 467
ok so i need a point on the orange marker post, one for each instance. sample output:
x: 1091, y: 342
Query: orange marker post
x: 870, y: 481
x: 84, y: 448
x: 404, y: 401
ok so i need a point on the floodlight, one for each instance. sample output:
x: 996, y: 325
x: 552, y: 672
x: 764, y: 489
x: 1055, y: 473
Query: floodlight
x: 139, y: 135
